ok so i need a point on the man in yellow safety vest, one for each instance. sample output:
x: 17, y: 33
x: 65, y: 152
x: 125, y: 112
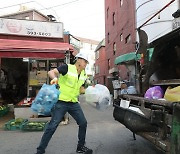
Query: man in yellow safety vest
x: 71, y: 81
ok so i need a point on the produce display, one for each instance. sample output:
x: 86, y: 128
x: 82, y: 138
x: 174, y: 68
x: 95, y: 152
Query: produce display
x: 25, y: 125
x: 3, y: 110
x: 34, y: 126
x: 14, y: 124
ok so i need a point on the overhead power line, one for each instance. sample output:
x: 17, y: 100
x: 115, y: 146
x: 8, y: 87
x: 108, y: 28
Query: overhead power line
x: 60, y: 5
x: 38, y: 3
x: 16, y: 5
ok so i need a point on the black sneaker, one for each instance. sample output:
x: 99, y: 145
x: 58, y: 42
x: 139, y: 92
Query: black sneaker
x: 83, y: 149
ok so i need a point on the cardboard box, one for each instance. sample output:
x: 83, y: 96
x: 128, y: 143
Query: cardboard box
x: 32, y: 75
x: 41, y: 75
x: 33, y: 82
x: 41, y: 81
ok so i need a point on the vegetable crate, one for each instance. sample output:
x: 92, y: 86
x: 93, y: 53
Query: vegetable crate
x: 14, y: 124
x: 3, y: 110
x: 34, y: 126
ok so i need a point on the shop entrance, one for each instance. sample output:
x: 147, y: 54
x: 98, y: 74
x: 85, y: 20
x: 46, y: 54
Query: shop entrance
x: 23, y: 77
x: 13, y: 81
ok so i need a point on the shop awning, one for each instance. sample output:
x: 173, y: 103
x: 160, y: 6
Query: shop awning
x: 33, y: 49
x: 126, y: 58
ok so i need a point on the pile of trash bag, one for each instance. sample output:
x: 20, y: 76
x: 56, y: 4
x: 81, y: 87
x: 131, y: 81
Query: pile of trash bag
x: 100, y: 95
x: 46, y: 98
x: 129, y: 90
x: 155, y: 92
x: 172, y: 94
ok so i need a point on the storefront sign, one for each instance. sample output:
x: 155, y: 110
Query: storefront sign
x: 176, y: 23
x: 31, y: 28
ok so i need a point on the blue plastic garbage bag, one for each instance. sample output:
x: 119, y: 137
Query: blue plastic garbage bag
x: 46, y: 98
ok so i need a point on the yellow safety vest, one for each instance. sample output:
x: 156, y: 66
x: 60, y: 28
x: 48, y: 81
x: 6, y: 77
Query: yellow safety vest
x: 70, y: 84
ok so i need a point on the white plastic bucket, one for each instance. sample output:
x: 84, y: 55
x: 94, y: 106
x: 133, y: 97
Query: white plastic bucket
x: 124, y: 103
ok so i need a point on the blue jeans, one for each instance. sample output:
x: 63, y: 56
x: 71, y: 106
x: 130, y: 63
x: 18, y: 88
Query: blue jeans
x: 58, y: 112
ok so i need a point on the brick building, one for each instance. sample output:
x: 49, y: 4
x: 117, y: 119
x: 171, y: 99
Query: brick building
x: 100, y: 64
x: 120, y: 36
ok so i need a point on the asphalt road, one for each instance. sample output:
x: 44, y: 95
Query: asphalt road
x: 104, y: 136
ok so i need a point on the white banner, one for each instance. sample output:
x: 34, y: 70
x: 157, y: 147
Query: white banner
x: 31, y: 28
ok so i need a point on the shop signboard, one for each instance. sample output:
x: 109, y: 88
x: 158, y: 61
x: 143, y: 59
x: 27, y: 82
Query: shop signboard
x: 31, y: 28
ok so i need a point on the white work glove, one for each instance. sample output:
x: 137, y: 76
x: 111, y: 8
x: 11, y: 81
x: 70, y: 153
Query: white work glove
x: 54, y: 81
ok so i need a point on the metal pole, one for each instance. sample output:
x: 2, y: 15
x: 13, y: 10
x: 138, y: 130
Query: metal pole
x: 28, y: 94
x: 67, y: 57
x: 67, y: 60
x: 47, y: 68
x: 0, y: 66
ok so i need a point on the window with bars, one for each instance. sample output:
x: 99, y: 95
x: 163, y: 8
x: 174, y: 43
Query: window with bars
x: 108, y: 38
x: 114, y: 48
x: 97, y: 70
x: 107, y: 12
x: 128, y: 38
x: 109, y: 64
x: 121, y: 3
x: 121, y: 37
x: 113, y: 18
x: 97, y: 54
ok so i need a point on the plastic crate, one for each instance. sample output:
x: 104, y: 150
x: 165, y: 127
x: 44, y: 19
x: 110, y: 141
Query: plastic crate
x: 3, y: 110
x: 13, y: 125
x: 34, y: 126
